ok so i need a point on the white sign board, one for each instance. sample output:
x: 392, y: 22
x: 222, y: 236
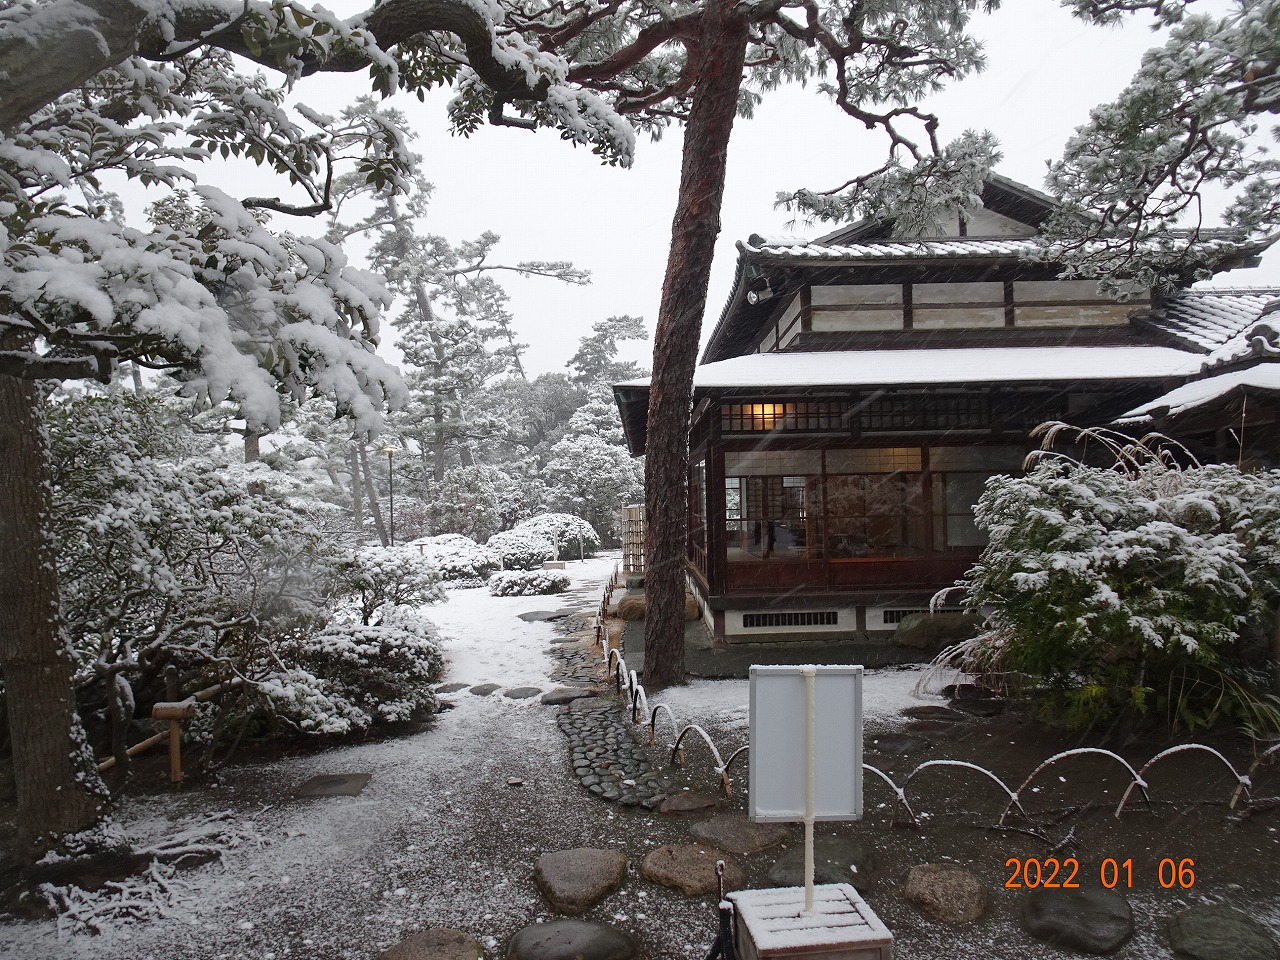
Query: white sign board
x: 780, y: 749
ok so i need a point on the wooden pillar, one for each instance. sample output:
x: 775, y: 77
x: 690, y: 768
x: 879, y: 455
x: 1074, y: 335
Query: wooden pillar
x: 716, y: 552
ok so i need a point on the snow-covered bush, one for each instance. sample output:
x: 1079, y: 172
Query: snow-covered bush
x: 1130, y: 590
x: 459, y: 559
x: 521, y: 549
x: 347, y: 678
x: 379, y: 577
x: 567, y: 533
x: 527, y: 583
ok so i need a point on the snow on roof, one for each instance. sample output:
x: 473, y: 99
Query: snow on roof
x: 893, y: 368
x: 1030, y: 248
x: 1264, y: 376
x: 1211, y: 318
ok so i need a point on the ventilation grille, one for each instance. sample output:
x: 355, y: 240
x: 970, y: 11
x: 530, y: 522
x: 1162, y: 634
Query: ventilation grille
x: 807, y: 618
x: 897, y: 616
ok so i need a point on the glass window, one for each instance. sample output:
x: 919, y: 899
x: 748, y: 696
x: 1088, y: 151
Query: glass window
x: 954, y: 497
x: 773, y: 518
x: 697, y: 549
x: 784, y: 417
x: 875, y: 515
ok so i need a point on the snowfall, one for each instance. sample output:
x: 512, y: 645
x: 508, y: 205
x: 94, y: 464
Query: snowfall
x: 438, y: 837
x: 449, y: 826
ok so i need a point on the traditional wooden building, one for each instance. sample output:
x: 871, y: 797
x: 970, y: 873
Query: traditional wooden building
x: 859, y: 390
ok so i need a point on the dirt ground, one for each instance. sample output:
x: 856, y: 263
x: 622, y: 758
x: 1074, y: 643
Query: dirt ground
x: 441, y: 838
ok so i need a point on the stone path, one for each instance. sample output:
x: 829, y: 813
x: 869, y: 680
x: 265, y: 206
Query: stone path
x: 607, y: 758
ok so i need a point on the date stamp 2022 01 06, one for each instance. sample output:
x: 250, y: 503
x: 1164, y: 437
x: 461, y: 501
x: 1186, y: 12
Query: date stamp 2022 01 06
x: 1051, y: 873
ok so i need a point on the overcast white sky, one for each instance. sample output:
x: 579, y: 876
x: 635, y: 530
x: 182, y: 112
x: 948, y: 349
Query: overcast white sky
x: 550, y: 201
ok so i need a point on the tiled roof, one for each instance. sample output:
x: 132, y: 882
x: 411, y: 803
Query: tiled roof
x: 942, y: 248
x: 1260, y: 377
x: 1207, y: 320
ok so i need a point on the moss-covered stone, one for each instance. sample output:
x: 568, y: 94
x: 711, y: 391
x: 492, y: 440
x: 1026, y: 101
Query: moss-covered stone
x: 933, y: 632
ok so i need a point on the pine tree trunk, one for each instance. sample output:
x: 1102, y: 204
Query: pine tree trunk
x: 374, y: 507
x: 356, y: 507
x: 58, y: 787
x: 694, y: 229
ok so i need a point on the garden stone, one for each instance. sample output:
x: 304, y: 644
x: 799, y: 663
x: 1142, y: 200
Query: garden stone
x: 691, y: 869
x: 735, y: 833
x: 571, y: 940
x: 1219, y: 932
x: 484, y: 689
x: 895, y: 744
x: 836, y: 859
x: 436, y: 943
x: 931, y: 711
x: 522, y: 693
x: 979, y: 708
x: 1089, y: 920
x: 931, y: 633
x: 946, y: 892
x: 574, y: 881
x: 689, y: 801
x: 451, y: 687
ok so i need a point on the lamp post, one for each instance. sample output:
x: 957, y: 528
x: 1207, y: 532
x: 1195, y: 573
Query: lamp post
x: 391, y: 491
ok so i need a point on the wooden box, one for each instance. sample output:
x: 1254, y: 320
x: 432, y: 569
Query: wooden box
x: 772, y: 923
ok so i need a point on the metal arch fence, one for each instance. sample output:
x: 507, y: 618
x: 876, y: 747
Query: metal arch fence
x: 627, y: 684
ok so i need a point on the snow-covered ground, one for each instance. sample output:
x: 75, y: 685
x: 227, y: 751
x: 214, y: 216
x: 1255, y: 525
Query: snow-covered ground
x: 440, y: 837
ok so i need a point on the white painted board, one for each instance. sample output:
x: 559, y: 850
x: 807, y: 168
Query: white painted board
x: 778, y: 743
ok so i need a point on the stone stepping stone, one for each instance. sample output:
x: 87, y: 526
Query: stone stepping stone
x: 835, y: 860
x: 737, y: 834
x: 927, y: 727
x: 932, y: 711
x: 895, y: 744
x: 1089, y: 920
x: 484, y: 689
x: 979, y: 708
x: 574, y: 881
x: 691, y: 869
x: 522, y: 693
x: 451, y: 687
x: 541, y: 616
x: 435, y: 943
x: 946, y: 892
x: 689, y: 801
x: 571, y: 940
x: 1219, y: 932
x: 334, y: 785
x: 563, y: 695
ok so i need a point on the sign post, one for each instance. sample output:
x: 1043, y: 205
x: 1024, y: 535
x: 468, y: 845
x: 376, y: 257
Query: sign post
x: 806, y: 765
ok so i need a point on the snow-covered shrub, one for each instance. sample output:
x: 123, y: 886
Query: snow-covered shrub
x: 377, y: 577
x: 567, y: 533
x: 527, y: 583
x: 347, y: 678
x: 1128, y: 590
x: 521, y: 549
x: 459, y: 559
